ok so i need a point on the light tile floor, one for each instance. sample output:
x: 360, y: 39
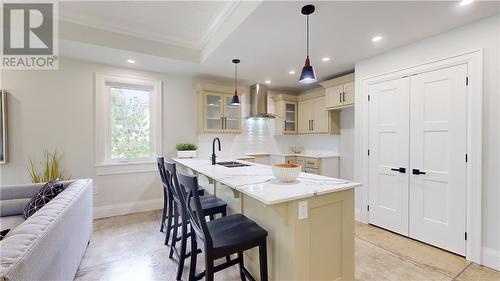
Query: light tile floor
x: 131, y: 248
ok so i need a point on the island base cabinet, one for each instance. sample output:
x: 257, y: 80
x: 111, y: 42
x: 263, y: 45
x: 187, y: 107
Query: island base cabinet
x: 319, y: 247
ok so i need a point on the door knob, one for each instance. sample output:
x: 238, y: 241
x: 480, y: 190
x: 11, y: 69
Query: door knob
x: 417, y: 172
x: 401, y: 170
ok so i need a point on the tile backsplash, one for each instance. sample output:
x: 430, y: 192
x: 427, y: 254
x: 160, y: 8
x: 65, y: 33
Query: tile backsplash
x: 257, y: 136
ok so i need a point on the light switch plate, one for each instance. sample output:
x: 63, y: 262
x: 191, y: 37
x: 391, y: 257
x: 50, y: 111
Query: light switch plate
x: 302, y: 210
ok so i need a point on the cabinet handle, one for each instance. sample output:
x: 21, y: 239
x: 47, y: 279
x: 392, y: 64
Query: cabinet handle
x: 222, y: 123
x: 343, y: 96
x: 340, y: 97
x: 417, y: 172
x: 401, y: 170
x: 312, y: 122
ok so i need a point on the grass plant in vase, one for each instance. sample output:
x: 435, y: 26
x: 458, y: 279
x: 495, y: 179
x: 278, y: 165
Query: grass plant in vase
x: 186, y: 150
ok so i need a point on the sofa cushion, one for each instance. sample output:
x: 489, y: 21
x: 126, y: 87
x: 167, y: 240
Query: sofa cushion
x: 13, y: 207
x: 11, y: 222
x: 48, y: 192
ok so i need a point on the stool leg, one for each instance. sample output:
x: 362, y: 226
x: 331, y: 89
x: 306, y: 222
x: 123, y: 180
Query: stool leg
x: 182, y: 254
x: 169, y: 221
x: 209, y: 268
x: 174, y: 234
x: 241, y: 263
x: 194, y: 254
x: 164, y: 213
x: 263, y: 261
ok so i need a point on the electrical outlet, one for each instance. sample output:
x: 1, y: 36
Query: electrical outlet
x: 302, y: 210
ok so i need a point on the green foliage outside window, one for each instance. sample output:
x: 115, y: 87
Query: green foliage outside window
x: 130, y: 124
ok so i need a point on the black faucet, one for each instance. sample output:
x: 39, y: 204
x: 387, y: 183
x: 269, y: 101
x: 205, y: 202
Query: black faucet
x: 213, y: 150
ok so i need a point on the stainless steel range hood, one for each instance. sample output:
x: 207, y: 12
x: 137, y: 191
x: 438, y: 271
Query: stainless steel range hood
x: 258, y: 102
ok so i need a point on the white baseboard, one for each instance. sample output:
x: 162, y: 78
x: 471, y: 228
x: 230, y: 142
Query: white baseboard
x: 127, y: 208
x: 491, y: 258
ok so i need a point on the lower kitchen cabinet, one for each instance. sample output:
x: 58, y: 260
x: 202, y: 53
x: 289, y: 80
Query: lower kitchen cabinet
x: 320, y: 166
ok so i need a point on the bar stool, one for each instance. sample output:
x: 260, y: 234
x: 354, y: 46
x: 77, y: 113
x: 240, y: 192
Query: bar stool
x: 220, y: 237
x: 167, y: 199
x: 210, y: 206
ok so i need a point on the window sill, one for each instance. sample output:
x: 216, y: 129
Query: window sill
x: 103, y: 169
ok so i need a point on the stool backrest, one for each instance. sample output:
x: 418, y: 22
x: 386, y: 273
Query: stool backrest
x: 160, y: 160
x: 188, y: 186
x: 171, y: 176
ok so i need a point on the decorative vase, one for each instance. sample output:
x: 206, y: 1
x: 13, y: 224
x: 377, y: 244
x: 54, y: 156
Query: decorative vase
x: 186, y: 154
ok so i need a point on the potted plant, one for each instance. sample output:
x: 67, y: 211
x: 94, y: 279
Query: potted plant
x: 186, y: 150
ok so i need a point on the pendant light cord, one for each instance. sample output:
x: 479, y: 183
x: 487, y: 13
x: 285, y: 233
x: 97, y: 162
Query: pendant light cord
x: 307, y: 34
x: 235, y: 77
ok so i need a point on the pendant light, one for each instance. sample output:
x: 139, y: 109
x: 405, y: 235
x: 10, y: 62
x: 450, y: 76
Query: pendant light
x: 307, y: 76
x: 235, y: 100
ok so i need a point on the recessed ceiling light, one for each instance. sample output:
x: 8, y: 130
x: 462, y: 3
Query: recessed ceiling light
x: 465, y: 2
x: 268, y: 81
x: 376, y: 38
x: 291, y: 72
x: 325, y: 59
x: 130, y: 61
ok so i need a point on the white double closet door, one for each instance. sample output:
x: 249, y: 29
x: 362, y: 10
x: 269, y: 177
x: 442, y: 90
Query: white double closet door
x: 417, y: 165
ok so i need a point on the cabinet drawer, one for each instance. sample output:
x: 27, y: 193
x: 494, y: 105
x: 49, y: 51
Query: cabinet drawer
x: 291, y: 160
x: 312, y: 171
x: 312, y: 163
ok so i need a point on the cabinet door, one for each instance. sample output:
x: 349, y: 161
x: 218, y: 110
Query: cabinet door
x: 334, y: 96
x: 389, y: 151
x: 231, y: 116
x: 290, y: 118
x: 213, y: 112
x: 306, y: 114
x: 348, y: 98
x: 302, y: 163
x: 320, y: 120
x: 438, y: 134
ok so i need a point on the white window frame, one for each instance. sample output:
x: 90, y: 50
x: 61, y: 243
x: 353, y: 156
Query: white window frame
x: 104, y: 164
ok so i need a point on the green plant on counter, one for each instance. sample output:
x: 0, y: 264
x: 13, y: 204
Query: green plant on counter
x: 49, y: 170
x: 186, y: 146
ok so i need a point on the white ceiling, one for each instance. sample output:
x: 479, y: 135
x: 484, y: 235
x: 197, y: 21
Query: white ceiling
x: 185, y: 24
x: 269, y: 37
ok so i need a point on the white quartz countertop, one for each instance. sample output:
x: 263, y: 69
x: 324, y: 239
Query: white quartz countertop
x: 258, y: 182
x: 310, y: 154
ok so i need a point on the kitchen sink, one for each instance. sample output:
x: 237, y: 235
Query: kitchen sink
x: 232, y: 164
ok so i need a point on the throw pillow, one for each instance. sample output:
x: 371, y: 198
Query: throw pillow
x: 48, y: 192
x: 3, y: 233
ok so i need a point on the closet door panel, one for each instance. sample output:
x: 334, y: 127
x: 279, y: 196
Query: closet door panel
x: 389, y: 151
x: 438, y: 121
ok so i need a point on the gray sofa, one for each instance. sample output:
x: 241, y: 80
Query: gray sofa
x: 50, y: 244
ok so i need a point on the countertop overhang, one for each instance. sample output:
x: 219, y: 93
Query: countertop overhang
x: 258, y: 182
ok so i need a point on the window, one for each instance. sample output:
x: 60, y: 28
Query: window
x: 130, y: 124
x: 128, y: 121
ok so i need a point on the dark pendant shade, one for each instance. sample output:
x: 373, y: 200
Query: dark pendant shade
x: 235, y: 100
x: 307, y: 76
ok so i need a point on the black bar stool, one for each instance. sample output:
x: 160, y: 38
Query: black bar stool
x: 167, y: 199
x: 210, y: 206
x: 220, y: 237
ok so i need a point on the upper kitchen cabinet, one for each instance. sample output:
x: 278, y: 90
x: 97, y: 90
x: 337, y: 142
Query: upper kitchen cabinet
x: 286, y: 108
x: 216, y: 113
x: 339, y: 92
x: 313, y: 118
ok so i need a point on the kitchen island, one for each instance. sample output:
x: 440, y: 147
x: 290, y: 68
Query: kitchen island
x: 310, y: 221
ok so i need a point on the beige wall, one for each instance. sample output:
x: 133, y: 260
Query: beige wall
x: 55, y: 109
